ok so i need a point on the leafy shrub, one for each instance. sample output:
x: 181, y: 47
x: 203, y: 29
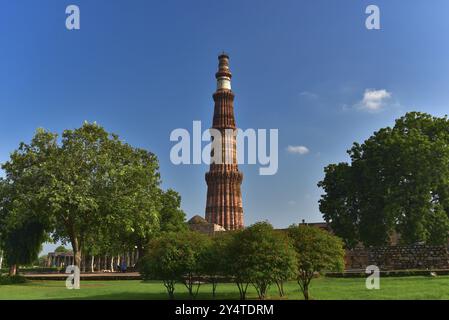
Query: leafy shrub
x: 175, y: 257
x: 261, y: 256
x: 318, y: 252
x: 17, y: 279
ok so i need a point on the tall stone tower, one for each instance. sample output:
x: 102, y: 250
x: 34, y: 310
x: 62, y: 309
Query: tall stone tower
x: 224, y: 197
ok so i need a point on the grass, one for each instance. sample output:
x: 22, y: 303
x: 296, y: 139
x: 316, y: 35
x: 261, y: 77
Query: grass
x: 322, y: 288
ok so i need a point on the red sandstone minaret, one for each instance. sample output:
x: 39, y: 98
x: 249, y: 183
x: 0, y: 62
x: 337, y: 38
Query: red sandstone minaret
x: 224, y: 198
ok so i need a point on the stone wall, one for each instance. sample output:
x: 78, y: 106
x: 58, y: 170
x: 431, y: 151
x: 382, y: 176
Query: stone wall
x: 399, y: 257
x: 356, y: 259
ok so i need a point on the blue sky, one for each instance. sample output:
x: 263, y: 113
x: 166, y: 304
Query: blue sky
x: 143, y: 68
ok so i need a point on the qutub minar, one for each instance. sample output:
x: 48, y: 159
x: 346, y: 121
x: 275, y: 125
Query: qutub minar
x: 224, y: 197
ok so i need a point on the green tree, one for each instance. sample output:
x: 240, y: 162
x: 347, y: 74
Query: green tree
x: 397, y: 181
x: 192, y: 245
x: 172, y: 218
x: 162, y: 262
x: 285, y: 265
x: 22, y: 230
x: 21, y: 239
x: 175, y: 257
x: 340, y: 204
x: 23, y: 244
x: 90, y: 183
x: 317, y: 251
x: 213, y: 259
x: 235, y: 264
x: 437, y: 227
x: 261, y: 256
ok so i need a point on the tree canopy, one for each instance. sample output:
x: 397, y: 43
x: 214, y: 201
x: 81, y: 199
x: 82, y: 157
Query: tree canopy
x: 397, y: 181
x: 89, y: 188
x: 21, y: 239
x: 261, y: 256
x: 214, y: 260
x: 317, y: 251
x: 175, y: 257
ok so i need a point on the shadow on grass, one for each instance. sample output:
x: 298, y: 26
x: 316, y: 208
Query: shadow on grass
x: 130, y: 290
x: 180, y: 295
x: 158, y: 296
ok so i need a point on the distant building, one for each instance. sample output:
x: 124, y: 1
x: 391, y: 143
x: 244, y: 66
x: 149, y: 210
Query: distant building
x: 59, y: 259
x: 200, y: 224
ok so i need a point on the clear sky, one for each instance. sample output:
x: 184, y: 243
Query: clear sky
x: 143, y: 68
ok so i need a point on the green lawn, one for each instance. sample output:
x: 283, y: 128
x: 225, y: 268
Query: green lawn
x: 322, y: 288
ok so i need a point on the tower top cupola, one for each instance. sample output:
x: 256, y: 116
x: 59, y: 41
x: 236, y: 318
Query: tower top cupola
x: 223, y: 75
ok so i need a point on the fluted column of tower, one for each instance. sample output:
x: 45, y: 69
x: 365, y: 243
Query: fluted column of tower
x: 224, y: 197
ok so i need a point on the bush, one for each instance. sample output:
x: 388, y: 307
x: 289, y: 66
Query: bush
x: 318, y: 251
x: 175, y: 257
x: 213, y: 261
x: 39, y: 270
x: 8, y: 280
x: 260, y: 256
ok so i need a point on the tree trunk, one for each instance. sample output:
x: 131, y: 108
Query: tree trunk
x: 214, y: 287
x: 280, y: 285
x: 77, y: 257
x: 1, y: 259
x: 84, y: 263
x: 12, y: 270
x: 112, y: 264
x: 261, y: 288
x: 306, y: 292
x: 170, y: 285
x: 99, y: 263
x: 304, y: 282
x: 242, y: 289
x: 92, y: 260
x: 137, y: 256
x: 76, y: 251
x: 140, y: 253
